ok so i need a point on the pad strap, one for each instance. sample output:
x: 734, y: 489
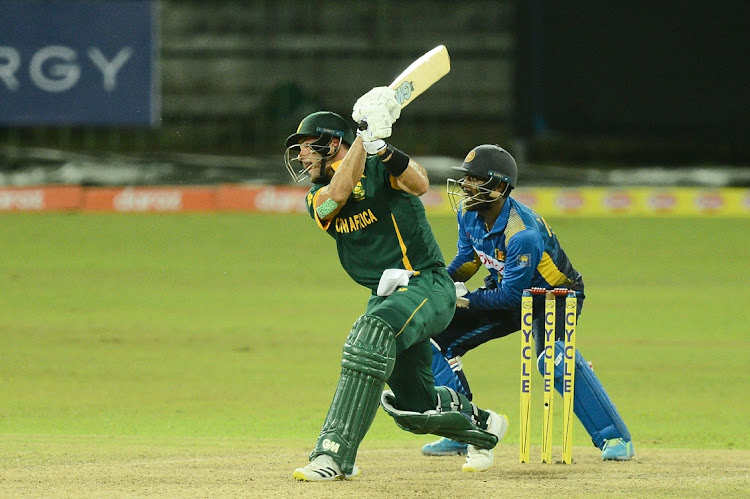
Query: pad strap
x: 445, y: 375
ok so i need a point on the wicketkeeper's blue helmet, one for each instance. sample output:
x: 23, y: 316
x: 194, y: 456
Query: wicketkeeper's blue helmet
x: 492, y: 163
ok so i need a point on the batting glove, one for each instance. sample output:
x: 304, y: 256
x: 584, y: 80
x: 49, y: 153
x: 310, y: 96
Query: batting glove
x: 377, y: 98
x: 372, y: 146
x: 378, y: 125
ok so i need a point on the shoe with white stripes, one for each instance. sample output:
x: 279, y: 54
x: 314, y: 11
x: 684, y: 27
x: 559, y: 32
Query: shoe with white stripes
x: 323, y: 469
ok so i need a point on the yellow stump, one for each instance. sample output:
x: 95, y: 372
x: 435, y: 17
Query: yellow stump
x: 527, y: 349
x: 549, y: 375
x: 571, y: 303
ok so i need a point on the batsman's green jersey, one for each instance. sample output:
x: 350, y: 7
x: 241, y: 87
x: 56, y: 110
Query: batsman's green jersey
x: 380, y: 227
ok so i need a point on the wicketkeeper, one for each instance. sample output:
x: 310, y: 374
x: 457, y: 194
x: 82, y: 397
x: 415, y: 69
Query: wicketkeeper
x: 520, y: 251
x: 365, y: 195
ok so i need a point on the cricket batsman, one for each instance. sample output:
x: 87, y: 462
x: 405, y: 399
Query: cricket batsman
x: 365, y: 195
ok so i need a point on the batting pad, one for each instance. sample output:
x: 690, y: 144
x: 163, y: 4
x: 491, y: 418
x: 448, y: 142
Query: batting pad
x: 443, y: 421
x: 443, y: 373
x: 369, y: 355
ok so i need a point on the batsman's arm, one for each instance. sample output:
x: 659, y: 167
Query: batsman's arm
x: 349, y: 172
x: 413, y: 179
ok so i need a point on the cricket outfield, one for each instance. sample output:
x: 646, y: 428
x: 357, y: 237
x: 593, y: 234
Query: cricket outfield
x: 196, y: 355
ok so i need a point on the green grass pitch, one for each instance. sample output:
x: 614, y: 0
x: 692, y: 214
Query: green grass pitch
x: 231, y: 325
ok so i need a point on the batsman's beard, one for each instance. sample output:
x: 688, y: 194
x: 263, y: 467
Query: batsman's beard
x: 318, y: 174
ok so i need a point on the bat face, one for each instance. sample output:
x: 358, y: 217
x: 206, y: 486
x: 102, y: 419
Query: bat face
x: 421, y: 75
x: 404, y: 92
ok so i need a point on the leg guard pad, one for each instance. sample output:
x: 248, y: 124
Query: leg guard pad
x: 592, y: 405
x: 369, y: 355
x: 444, y: 374
x: 450, y: 419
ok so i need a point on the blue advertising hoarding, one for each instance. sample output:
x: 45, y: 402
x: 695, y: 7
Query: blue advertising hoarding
x: 79, y: 63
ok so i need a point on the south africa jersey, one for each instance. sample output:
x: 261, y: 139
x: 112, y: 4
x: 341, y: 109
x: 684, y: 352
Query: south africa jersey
x: 380, y: 227
x: 520, y: 251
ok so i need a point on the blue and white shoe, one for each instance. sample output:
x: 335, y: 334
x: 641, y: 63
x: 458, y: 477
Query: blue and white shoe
x: 445, y: 447
x: 617, y: 449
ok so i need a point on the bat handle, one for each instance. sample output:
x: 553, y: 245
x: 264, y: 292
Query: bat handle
x: 362, y: 125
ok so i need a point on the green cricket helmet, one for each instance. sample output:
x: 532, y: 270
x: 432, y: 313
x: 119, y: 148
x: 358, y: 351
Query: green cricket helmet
x: 324, y: 126
x: 322, y: 122
x: 490, y: 163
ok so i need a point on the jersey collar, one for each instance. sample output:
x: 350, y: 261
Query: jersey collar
x: 335, y: 166
x: 502, y: 218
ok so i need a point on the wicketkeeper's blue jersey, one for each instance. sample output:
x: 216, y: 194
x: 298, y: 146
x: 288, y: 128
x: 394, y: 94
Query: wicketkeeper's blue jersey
x: 520, y: 251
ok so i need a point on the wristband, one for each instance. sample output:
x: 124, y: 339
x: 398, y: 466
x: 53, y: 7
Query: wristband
x: 326, y: 208
x: 395, y: 161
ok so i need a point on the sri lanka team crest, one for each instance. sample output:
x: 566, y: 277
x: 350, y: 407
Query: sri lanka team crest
x: 358, y: 192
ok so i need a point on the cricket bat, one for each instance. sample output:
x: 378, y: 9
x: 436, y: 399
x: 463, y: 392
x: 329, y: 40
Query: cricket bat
x: 419, y: 76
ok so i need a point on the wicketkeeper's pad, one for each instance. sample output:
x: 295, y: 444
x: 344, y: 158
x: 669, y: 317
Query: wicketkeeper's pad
x: 592, y: 405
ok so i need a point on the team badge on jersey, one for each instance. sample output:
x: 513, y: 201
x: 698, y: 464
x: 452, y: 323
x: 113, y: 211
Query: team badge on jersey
x: 524, y: 260
x: 358, y: 192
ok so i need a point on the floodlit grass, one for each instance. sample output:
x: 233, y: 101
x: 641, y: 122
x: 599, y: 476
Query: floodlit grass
x: 231, y: 326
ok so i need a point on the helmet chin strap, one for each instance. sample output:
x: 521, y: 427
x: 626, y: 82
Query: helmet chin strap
x: 494, y: 196
x: 505, y: 193
x: 322, y: 178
